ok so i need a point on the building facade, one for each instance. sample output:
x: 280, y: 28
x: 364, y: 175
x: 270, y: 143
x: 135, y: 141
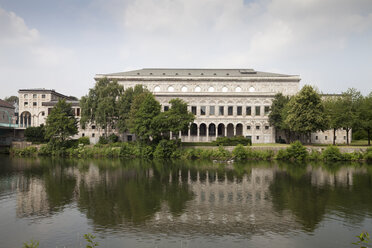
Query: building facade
x: 226, y: 102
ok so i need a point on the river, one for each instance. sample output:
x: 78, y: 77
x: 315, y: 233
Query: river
x: 133, y: 203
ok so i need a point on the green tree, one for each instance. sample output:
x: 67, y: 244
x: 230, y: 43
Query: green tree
x: 333, y: 111
x: 61, y: 123
x: 278, y: 113
x: 365, y: 115
x: 124, y: 106
x: 143, y: 110
x: 306, y: 112
x: 11, y: 99
x: 100, y: 106
x: 176, y: 119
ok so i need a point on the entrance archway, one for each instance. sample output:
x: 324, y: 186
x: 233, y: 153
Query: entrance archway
x: 221, y: 130
x: 239, y: 130
x: 230, y: 130
x: 212, y: 130
x: 194, y: 129
x: 202, y: 130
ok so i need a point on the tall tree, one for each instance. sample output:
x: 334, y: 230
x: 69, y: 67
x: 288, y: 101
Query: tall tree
x: 11, y: 99
x: 100, y: 105
x: 61, y: 123
x: 333, y: 111
x: 278, y: 113
x: 124, y: 106
x: 365, y: 115
x: 143, y: 110
x: 176, y: 119
x: 306, y: 112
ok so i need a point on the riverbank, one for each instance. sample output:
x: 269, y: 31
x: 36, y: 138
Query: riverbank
x: 172, y: 150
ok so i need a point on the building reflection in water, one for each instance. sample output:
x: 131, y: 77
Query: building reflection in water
x: 186, y: 199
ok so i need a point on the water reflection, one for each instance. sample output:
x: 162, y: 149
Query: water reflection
x: 190, y: 198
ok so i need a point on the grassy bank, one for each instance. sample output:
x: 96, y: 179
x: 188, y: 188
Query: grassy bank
x: 172, y: 149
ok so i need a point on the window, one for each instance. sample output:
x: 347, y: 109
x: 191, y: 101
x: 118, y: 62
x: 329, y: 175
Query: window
x: 267, y: 109
x: 258, y: 137
x: 258, y: 110
x: 344, y: 137
x: 25, y: 95
x: 202, y: 110
x: 335, y: 137
x: 248, y: 127
x: 316, y: 137
x: 78, y: 112
x: 170, y: 88
x: 43, y: 96
x: 252, y: 89
x: 230, y: 110
x: 92, y: 135
x: 257, y: 127
x: 248, y: 110
x: 325, y: 137
x: 166, y: 108
x: 42, y: 113
x: 193, y: 110
x: 239, y: 110
x: 184, y: 89
x: 157, y: 88
x: 221, y: 110
x: 93, y: 127
x: 224, y: 89
x: 34, y: 96
x: 25, y: 103
x: 34, y: 104
x: 83, y: 134
x: 129, y: 137
x: 238, y: 89
x: 211, y: 89
x: 266, y: 127
x: 49, y: 111
x: 197, y: 89
x: 211, y: 110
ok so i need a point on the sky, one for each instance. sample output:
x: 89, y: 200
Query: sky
x: 62, y: 44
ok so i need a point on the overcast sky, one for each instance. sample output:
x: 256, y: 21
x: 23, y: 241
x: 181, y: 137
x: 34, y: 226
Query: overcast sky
x: 61, y: 45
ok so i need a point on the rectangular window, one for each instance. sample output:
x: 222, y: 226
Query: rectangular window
x: 316, y: 137
x: 230, y: 110
x: 257, y: 127
x: 258, y: 110
x: 34, y: 104
x: 129, y: 137
x: 43, y: 113
x: 49, y: 111
x: 248, y: 127
x: 78, y: 112
x: 83, y: 134
x: 221, y: 110
x: 25, y: 103
x: 34, y: 95
x: 239, y: 110
x: 43, y: 96
x: 326, y: 137
x: 248, y: 110
x: 267, y: 110
x: 211, y: 110
x: 92, y: 135
x: 258, y: 137
x: 344, y: 137
x: 202, y: 110
x: 93, y: 127
x: 266, y: 127
x: 193, y: 110
x: 166, y: 108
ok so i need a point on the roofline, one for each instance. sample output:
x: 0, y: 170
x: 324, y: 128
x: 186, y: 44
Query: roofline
x: 44, y: 90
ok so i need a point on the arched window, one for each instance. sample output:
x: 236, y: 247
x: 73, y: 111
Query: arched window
x: 252, y: 89
x: 197, y: 89
x: 238, y: 89
x: 184, y: 89
x: 211, y: 89
x: 224, y: 89
x: 157, y: 88
x: 170, y: 88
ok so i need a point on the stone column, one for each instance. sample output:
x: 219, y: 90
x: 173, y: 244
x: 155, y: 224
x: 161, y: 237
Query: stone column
x: 207, y: 132
x: 180, y: 135
x: 234, y: 128
x: 198, y: 132
x: 225, y: 130
x: 188, y: 134
x: 216, y: 129
x: 170, y: 135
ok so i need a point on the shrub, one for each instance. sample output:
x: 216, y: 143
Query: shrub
x: 102, y: 140
x: 220, y: 153
x: 332, y: 153
x: 112, y: 138
x: 315, y: 155
x: 35, y: 134
x: 165, y: 148
x: 84, y: 140
x: 296, y: 151
x: 368, y: 155
x: 232, y: 141
x: 24, y: 152
x: 240, y: 152
x: 282, y: 155
x: 45, y: 150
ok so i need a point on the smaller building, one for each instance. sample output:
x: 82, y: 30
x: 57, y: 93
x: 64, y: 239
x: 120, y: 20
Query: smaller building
x: 7, y: 113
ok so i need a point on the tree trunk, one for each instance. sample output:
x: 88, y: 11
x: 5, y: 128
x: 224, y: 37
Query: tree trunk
x: 369, y: 138
x: 347, y: 135
x: 334, y: 136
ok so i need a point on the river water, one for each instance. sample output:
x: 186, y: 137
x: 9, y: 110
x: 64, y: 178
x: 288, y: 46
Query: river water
x: 130, y: 203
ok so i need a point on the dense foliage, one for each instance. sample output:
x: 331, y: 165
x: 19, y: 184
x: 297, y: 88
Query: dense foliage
x: 232, y: 141
x: 35, y: 134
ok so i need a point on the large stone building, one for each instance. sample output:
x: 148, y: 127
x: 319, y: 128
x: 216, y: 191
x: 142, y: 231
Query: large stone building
x: 226, y: 102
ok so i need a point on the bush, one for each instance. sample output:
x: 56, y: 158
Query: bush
x: 232, y: 141
x: 84, y: 141
x: 35, y: 134
x: 315, y: 155
x: 102, y: 140
x: 165, y: 149
x: 24, y: 152
x: 112, y: 138
x: 368, y: 155
x: 240, y: 152
x: 296, y: 151
x: 45, y: 150
x: 282, y: 155
x: 332, y: 153
x: 220, y: 153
